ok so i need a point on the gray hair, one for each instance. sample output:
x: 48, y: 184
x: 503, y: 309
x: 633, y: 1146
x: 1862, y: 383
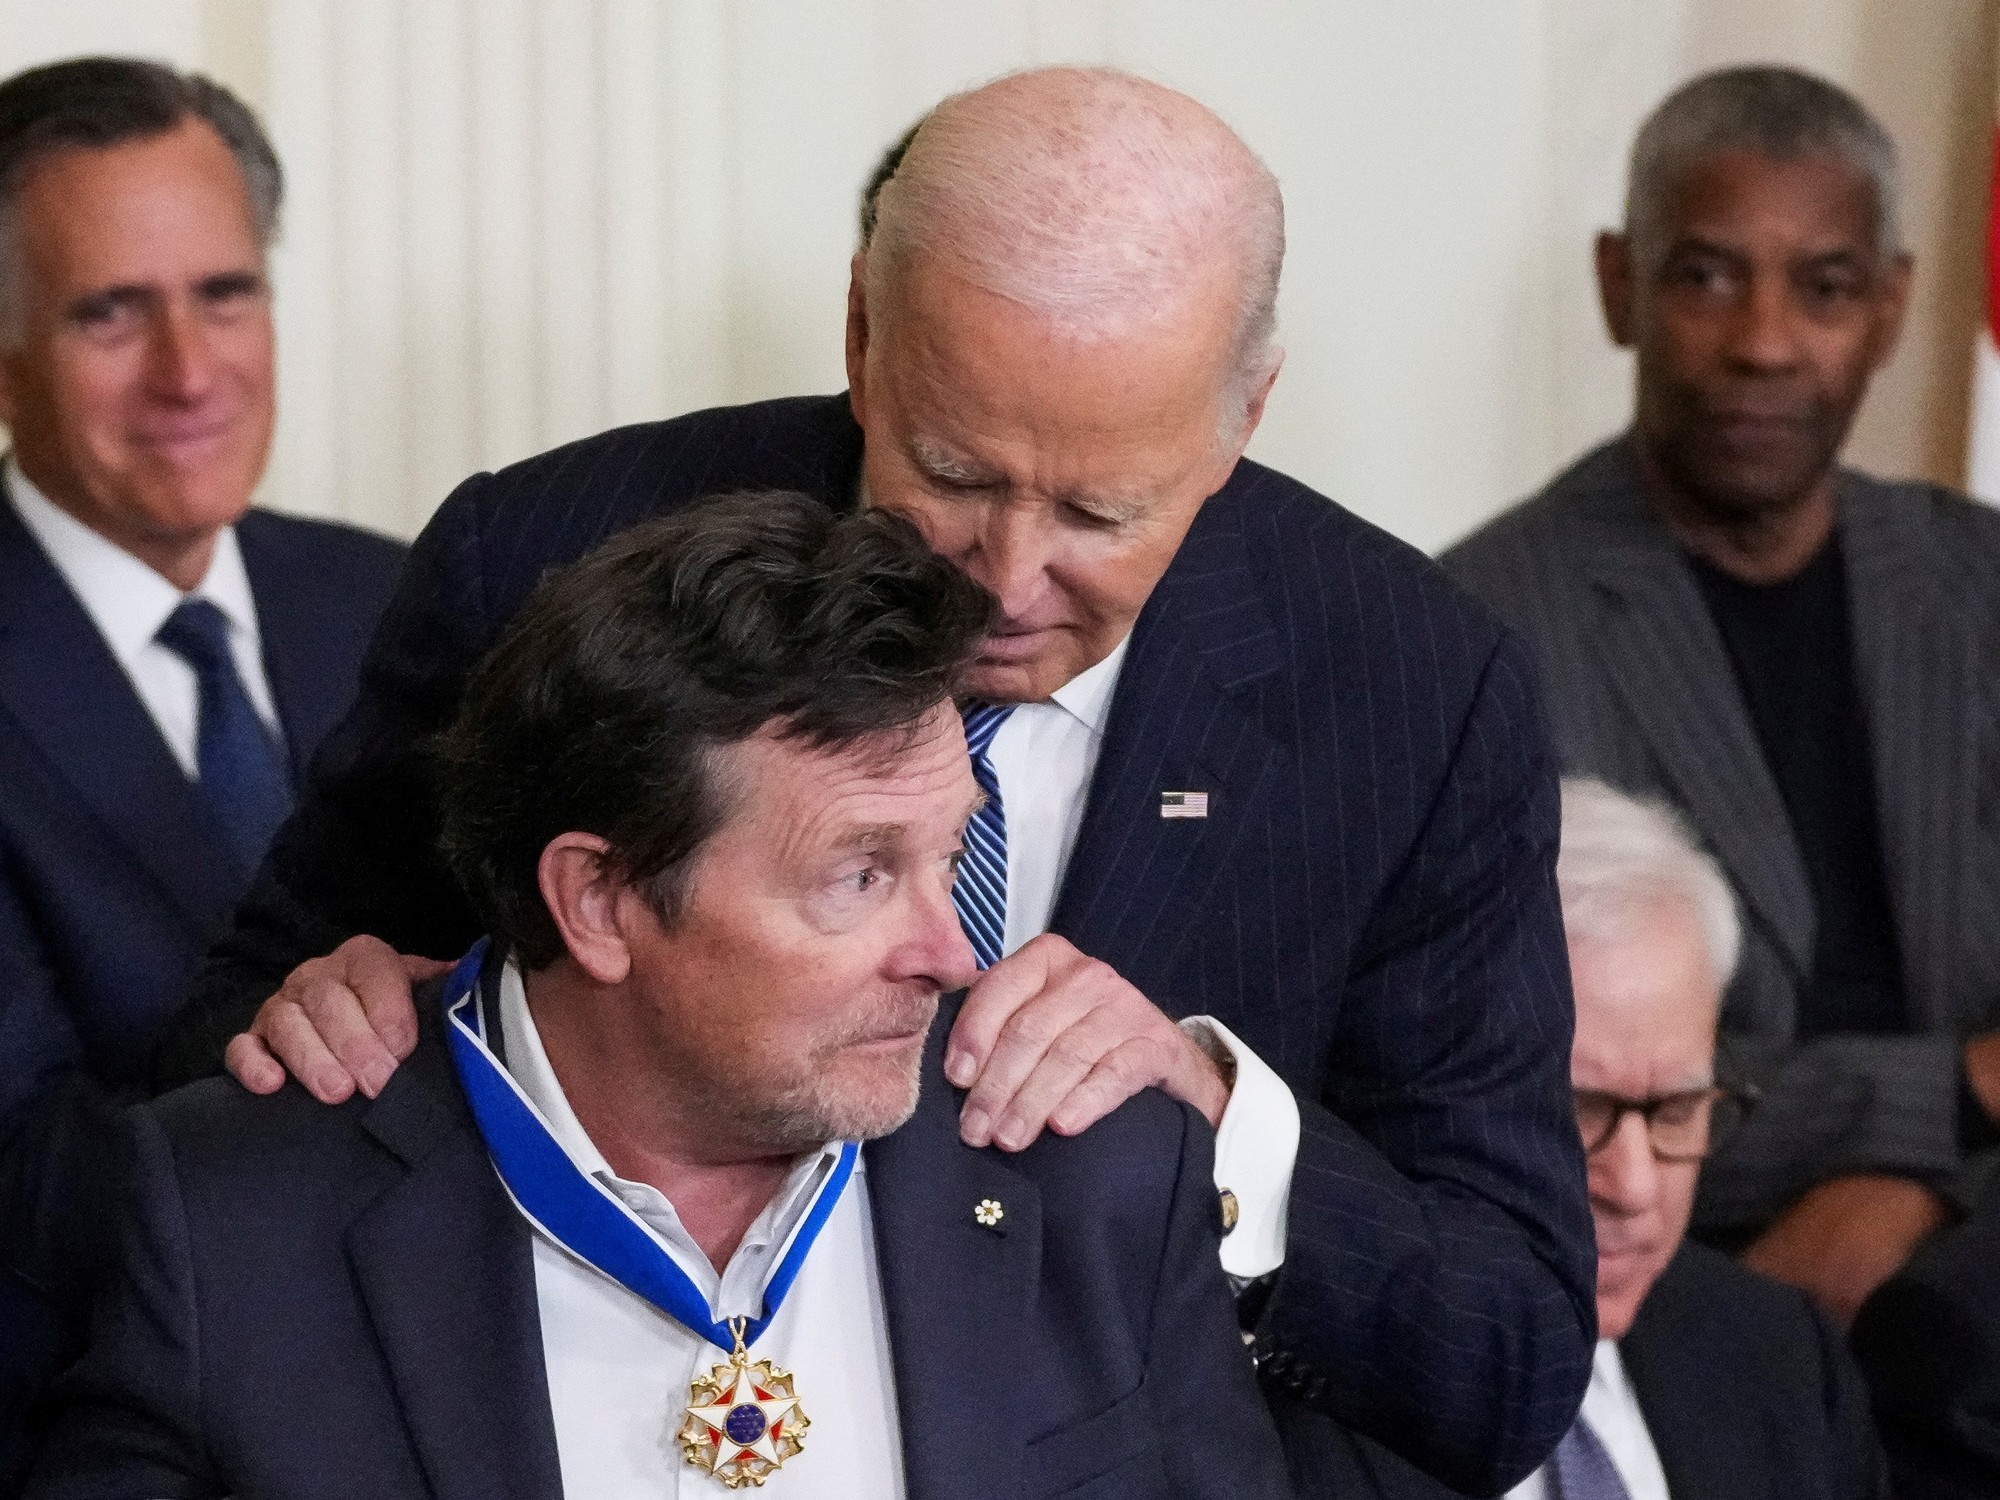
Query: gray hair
x: 95, y: 102
x: 1621, y: 854
x: 1776, y: 112
x: 1089, y: 196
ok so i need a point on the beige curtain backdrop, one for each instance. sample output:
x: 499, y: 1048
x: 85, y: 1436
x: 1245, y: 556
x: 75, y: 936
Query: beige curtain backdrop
x: 515, y: 222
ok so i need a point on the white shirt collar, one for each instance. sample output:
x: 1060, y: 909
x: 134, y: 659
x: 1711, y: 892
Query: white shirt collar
x: 128, y: 601
x: 734, y: 1290
x: 1087, y: 696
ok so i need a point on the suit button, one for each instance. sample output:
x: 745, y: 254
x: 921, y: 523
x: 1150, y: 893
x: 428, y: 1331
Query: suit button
x: 1315, y: 1390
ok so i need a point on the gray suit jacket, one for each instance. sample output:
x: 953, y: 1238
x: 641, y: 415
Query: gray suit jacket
x: 1641, y: 693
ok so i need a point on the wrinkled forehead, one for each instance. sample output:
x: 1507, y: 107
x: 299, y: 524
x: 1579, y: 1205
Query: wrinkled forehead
x: 1647, y: 1004
x: 904, y: 776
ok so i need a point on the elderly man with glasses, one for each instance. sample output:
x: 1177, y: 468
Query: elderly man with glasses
x: 1709, y: 1380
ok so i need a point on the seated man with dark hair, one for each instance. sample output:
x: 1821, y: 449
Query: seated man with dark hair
x: 612, y: 1229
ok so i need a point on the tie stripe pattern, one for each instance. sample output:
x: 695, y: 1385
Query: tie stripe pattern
x: 981, y: 892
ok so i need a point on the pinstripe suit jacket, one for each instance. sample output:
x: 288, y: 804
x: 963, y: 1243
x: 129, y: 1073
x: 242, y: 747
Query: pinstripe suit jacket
x: 1642, y: 693
x: 1370, y: 902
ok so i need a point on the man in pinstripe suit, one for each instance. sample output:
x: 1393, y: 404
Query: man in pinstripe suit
x: 1793, y: 653
x: 1263, y: 771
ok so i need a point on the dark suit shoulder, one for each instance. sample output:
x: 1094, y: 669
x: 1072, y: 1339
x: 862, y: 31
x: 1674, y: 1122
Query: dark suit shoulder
x: 1134, y: 1152
x: 1532, y: 538
x: 1960, y: 534
x: 1705, y: 1297
x: 1746, y: 1337
x: 1279, y: 517
x: 328, y: 568
x: 1373, y: 600
x: 553, y: 507
x: 238, y: 1146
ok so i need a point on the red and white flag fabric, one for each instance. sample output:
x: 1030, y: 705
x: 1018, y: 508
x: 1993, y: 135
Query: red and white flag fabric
x: 1982, y: 459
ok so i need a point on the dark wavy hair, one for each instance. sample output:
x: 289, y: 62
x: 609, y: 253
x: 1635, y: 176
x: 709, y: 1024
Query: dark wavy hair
x: 600, y: 708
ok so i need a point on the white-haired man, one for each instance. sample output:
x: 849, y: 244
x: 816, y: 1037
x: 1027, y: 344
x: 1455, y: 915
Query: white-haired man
x: 1792, y: 653
x: 1245, y: 758
x: 1711, y: 1382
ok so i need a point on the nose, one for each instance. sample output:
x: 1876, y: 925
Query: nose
x: 1763, y: 336
x: 1010, y: 556
x: 1624, y: 1173
x: 939, y: 950
x: 183, y: 361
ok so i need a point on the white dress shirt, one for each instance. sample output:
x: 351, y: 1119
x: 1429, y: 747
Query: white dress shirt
x: 128, y: 603
x: 1611, y: 1407
x: 619, y: 1368
x: 1043, y: 757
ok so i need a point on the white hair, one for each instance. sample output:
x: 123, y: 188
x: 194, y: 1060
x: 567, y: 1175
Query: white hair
x: 1621, y: 855
x: 1095, y: 199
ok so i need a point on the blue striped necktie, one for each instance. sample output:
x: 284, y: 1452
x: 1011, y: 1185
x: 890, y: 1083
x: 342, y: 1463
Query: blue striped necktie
x: 981, y: 892
x: 243, y: 775
x: 1582, y: 1468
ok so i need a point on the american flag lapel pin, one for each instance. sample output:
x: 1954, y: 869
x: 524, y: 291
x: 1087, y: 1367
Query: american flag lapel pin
x: 1184, y: 804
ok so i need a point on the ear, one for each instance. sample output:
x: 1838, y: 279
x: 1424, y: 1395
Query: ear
x: 857, y: 332
x: 1614, y: 285
x: 587, y: 900
x: 1891, y: 310
x: 1253, y: 413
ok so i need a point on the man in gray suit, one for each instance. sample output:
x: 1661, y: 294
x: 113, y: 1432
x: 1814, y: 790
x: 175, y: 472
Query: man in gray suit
x: 1791, y: 652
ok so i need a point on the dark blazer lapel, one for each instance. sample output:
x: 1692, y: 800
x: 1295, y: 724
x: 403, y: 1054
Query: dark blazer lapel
x: 446, y: 1269
x: 307, y: 681
x: 1665, y: 660
x: 956, y: 1294
x: 68, y: 695
x: 1181, y: 719
x: 1705, y: 1446
x: 1914, y: 666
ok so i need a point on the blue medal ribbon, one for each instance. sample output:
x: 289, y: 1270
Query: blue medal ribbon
x: 574, y: 1209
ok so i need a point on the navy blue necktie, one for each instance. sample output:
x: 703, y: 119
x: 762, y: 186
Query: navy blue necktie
x: 243, y: 776
x: 981, y: 892
x: 1581, y: 1468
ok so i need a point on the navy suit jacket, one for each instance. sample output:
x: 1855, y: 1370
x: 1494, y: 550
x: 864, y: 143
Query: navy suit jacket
x: 1370, y: 902
x: 1748, y: 1391
x: 341, y: 1302
x: 113, y: 880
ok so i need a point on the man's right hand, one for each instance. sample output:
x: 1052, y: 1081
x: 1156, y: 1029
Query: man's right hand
x: 340, y: 1023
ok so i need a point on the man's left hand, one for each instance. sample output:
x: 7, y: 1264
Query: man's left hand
x: 1846, y: 1237
x: 1049, y: 1037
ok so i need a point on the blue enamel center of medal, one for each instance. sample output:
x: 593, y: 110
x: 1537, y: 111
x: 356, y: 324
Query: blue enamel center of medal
x: 744, y: 1424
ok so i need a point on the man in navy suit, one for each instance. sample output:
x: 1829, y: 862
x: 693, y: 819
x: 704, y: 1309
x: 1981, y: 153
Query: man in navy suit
x: 169, y: 659
x: 672, y: 1189
x: 1250, y: 763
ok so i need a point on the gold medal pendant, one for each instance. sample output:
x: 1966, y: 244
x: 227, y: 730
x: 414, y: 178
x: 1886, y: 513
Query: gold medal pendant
x: 743, y: 1421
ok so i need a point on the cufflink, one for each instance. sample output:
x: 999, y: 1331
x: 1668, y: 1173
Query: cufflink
x: 1226, y: 1201
x: 987, y: 1213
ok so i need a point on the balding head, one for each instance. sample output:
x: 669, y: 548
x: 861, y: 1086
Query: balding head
x: 1096, y: 199
x: 1058, y: 345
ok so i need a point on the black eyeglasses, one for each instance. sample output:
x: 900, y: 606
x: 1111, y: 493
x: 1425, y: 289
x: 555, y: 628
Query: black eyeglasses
x: 1685, y: 1126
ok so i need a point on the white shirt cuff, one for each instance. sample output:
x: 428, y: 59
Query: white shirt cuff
x: 1256, y: 1146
